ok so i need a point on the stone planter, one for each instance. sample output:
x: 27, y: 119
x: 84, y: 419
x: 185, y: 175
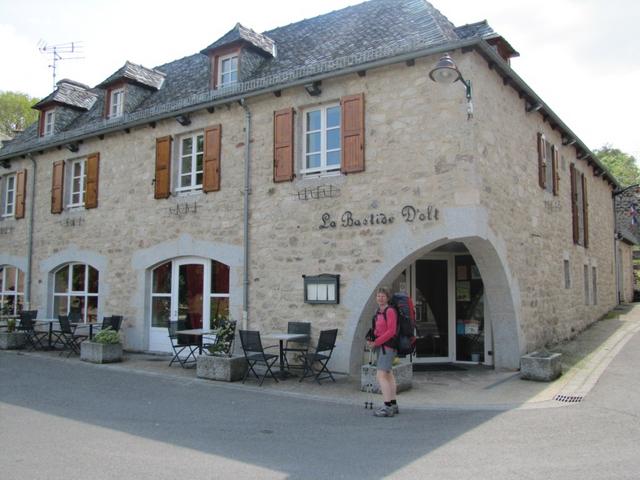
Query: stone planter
x: 403, y: 373
x: 541, y: 366
x: 226, y: 369
x: 12, y: 340
x: 100, y: 352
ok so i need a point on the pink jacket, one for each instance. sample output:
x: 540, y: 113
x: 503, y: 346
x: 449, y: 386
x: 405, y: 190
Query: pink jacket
x: 385, y: 329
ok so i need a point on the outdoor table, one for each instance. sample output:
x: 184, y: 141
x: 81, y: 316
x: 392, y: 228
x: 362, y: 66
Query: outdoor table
x: 284, y: 337
x: 82, y: 325
x: 198, y: 332
x: 50, y: 321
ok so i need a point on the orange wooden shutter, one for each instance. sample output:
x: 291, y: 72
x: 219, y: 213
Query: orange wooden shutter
x: 283, y: 145
x: 574, y: 204
x: 212, y: 148
x: 585, y: 211
x: 556, y: 175
x: 542, y: 161
x: 352, y: 133
x: 93, y: 172
x: 163, y: 167
x: 57, y: 182
x: 21, y: 191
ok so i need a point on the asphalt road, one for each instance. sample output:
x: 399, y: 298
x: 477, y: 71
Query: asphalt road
x: 69, y: 420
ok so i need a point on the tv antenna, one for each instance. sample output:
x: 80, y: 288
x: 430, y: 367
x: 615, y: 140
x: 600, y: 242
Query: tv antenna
x: 59, y: 52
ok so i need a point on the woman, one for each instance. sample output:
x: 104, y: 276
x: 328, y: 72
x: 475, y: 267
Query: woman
x: 384, y: 332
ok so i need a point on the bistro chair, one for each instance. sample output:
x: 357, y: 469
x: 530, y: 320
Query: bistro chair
x: 68, y: 337
x: 254, y: 353
x: 321, y: 355
x: 181, y: 345
x: 298, y: 347
x: 27, y: 326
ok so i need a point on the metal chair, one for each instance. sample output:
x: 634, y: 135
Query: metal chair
x: 27, y: 326
x: 321, y: 355
x: 180, y: 344
x: 297, y: 346
x: 68, y: 337
x: 254, y: 353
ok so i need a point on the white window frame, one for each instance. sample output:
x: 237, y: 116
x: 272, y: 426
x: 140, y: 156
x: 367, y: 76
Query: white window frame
x: 192, y: 174
x: 49, y: 122
x: 116, y: 102
x: 222, y: 73
x: 9, y: 204
x: 77, y: 293
x: 18, y: 296
x: 323, y: 169
x: 83, y: 182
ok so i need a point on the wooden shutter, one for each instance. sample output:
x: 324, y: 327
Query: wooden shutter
x: 283, y: 145
x: 574, y: 203
x: 163, y: 167
x: 212, y: 148
x: 93, y: 172
x: 352, y: 133
x: 542, y: 161
x: 554, y: 167
x: 21, y: 191
x: 585, y: 211
x: 57, y: 182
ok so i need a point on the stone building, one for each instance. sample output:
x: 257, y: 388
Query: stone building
x: 284, y: 176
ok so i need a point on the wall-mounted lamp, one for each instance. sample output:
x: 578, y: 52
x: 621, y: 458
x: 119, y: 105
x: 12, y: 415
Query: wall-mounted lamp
x: 313, y: 88
x: 446, y: 71
x: 72, y: 147
x: 6, y: 164
x: 183, y: 120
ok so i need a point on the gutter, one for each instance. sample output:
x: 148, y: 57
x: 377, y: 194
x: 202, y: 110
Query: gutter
x: 27, y: 287
x: 245, y: 213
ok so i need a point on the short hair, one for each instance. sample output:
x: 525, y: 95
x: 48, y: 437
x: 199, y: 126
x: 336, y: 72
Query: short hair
x: 384, y: 290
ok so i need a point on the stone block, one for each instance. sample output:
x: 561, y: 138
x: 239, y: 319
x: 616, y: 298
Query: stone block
x: 226, y: 369
x: 12, y: 340
x: 403, y: 373
x: 100, y: 352
x: 541, y: 366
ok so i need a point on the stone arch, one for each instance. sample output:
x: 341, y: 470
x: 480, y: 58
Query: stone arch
x: 468, y: 225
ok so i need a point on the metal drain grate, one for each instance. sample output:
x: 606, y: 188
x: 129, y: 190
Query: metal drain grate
x: 568, y: 398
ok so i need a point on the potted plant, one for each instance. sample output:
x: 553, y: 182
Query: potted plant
x: 105, y: 347
x: 218, y: 362
x: 11, y: 339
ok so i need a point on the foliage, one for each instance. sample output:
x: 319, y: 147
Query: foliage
x: 11, y: 325
x: 620, y: 164
x: 16, y: 112
x: 224, y: 339
x: 107, y: 336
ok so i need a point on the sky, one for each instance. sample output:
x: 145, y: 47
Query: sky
x: 580, y: 56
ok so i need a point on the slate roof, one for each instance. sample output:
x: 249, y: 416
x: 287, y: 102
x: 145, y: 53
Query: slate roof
x: 241, y: 33
x: 136, y: 73
x: 325, y: 45
x: 70, y: 93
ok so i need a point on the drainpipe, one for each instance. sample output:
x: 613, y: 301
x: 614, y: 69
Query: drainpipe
x: 245, y: 214
x: 27, y: 286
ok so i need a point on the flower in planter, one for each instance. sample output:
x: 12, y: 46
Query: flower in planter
x: 11, y: 325
x: 107, y: 336
x: 224, y: 339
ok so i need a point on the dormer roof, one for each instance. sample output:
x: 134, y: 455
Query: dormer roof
x: 135, y: 73
x: 242, y: 34
x: 69, y: 93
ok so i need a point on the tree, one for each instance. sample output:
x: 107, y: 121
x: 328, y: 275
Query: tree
x: 16, y: 112
x: 620, y: 164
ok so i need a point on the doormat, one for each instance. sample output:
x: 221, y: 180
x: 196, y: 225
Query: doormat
x: 436, y: 367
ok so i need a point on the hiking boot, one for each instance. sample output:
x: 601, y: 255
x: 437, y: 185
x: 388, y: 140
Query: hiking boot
x: 384, y: 411
x: 395, y: 409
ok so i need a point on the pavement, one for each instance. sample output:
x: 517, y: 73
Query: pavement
x: 471, y: 387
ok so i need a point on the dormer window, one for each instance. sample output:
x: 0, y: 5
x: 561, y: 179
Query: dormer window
x: 228, y: 70
x: 49, y: 120
x: 116, y: 102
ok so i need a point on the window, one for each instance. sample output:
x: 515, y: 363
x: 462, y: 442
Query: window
x: 49, y: 120
x: 190, y: 163
x: 77, y: 183
x: 548, y: 165
x: 76, y: 291
x: 9, y: 200
x: 11, y: 289
x: 567, y: 275
x: 579, y: 207
x: 116, y: 101
x: 228, y: 70
x: 322, y: 140
x: 594, y: 290
x: 219, y: 297
x: 586, y: 284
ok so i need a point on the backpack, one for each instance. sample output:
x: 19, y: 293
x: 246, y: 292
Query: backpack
x: 406, y: 331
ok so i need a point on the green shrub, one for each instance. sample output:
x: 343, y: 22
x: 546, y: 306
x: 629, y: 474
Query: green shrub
x: 11, y: 324
x: 107, y: 336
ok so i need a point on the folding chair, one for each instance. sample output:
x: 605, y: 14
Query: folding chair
x: 297, y: 346
x: 27, y: 326
x: 321, y: 355
x: 180, y: 344
x: 254, y: 353
x: 67, y: 336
